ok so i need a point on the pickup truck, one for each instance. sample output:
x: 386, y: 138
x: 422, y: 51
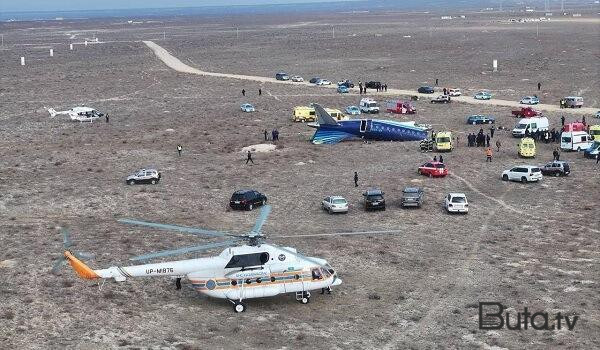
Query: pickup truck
x: 442, y: 99
x: 526, y: 112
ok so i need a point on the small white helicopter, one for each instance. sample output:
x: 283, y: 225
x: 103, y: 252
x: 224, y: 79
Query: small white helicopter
x: 254, y: 270
x: 79, y: 114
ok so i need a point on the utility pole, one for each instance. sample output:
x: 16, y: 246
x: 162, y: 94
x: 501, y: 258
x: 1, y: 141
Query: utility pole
x: 562, y: 5
x: 237, y: 32
x: 333, y: 31
x: 164, y: 35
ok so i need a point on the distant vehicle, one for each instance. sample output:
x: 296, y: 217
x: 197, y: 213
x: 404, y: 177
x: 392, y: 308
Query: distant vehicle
x: 412, y: 196
x: 373, y: 85
x: 352, y: 110
x: 246, y: 107
x: 374, y: 199
x: 335, y: 204
x: 314, y: 80
x: 523, y: 173
x: 282, y: 76
x: 575, y: 126
x: 598, y: 114
x: 526, y: 148
x: 433, y: 169
x: 573, y: 102
x: 454, y: 92
x: 595, y: 132
x: 368, y: 105
x: 530, y: 100
x: 323, y: 82
x: 343, y: 89
x: 144, y: 176
x: 556, y: 168
x: 297, y: 79
x: 347, y: 83
x: 400, y: 107
x: 483, y: 95
x: 307, y: 114
x: 441, y: 99
x: 456, y: 203
x: 425, y: 90
x: 529, y: 125
x: 593, y: 150
x: 480, y: 119
x: 247, y: 199
x: 79, y: 114
x: 443, y: 141
x: 575, y: 141
x: 526, y: 112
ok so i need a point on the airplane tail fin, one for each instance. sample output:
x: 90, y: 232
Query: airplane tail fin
x: 323, y: 117
x: 52, y: 112
x: 80, y: 267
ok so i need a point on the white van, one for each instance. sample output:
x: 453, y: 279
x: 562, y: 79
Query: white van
x: 454, y: 92
x: 368, y: 105
x: 575, y: 141
x: 573, y: 101
x: 531, y: 124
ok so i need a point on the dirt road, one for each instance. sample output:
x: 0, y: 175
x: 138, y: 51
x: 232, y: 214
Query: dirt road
x: 175, y: 64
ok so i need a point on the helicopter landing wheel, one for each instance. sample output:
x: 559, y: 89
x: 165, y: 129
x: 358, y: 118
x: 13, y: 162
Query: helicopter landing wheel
x: 239, y: 306
x: 305, y: 299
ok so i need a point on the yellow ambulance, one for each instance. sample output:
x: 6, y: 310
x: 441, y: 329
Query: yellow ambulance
x: 595, y: 132
x: 307, y: 114
x: 443, y: 141
x: 527, y: 147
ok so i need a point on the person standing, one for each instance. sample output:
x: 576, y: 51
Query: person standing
x: 266, y: 135
x: 435, y: 158
x: 441, y: 159
x: 487, y: 140
x: 249, y: 158
x: 492, y: 130
x: 106, y: 116
x: 555, y: 154
x: 436, y: 81
x: 259, y: 91
x: 179, y: 149
x: 498, y: 145
x: 445, y: 91
x: 243, y: 92
x: 355, y: 179
x: 562, y: 120
x: 539, y: 86
x: 488, y: 155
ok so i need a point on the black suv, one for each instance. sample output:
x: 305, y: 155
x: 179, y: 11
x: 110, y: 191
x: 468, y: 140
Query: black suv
x: 374, y: 200
x: 426, y: 90
x: 556, y: 168
x: 247, y: 199
x: 373, y: 85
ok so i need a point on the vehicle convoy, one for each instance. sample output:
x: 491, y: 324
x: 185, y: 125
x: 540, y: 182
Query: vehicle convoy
x: 247, y: 199
x: 527, y: 126
x: 480, y: 119
x: 575, y: 126
x: 572, y: 102
x: 595, y: 132
x: 425, y: 90
x: 526, y: 148
x: 593, y: 150
x: 523, y: 173
x: 443, y: 141
x: 456, y: 203
x: 433, y: 169
x: 335, y: 204
x: 483, y: 95
x: 144, y: 176
x: 368, y: 105
x: 556, y: 168
x: 526, y: 112
x: 454, y: 92
x: 307, y: 114
x: 400, y: 107
x: 530, y: 100
x: 374, y: 199
x: 246, y: 107
x: 412, y: 197
x: 373, y: 85
x: 282, y: 76
x: 575, y: 141
x: 442, y: 99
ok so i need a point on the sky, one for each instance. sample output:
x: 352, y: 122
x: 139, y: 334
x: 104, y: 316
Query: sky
x: 76, y: 5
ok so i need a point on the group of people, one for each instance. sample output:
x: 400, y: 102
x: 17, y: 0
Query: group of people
x: 544, y: 135
x: 259, y: 92
x: 274, y: 135
x: 480, y: 139
x: 363, y: 89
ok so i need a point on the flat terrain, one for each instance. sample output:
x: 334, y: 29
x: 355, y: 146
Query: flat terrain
x: 533, y: 245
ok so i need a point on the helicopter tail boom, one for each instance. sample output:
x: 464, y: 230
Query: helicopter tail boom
x: 80, y: 267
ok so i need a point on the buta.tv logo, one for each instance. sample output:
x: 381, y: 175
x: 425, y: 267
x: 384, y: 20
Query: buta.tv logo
x: 491, y: 316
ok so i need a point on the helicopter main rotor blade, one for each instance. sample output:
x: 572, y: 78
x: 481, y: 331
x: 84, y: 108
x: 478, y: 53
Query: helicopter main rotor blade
x: 66, y: 239
x: 260, y: 221
x: 184, y: 250
x: 339, y: 234
x: 185, y: 229
x: 58, y: 264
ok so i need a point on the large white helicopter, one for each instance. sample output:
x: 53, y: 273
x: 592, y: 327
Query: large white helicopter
x: 79, y: 114
x: 253, y: 270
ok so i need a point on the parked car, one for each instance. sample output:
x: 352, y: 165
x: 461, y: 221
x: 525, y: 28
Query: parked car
x: 373, y: 84
x: 442, y: 99
x: 247, y: 199
x: 530, y: 100
x: 575, y: 141
x: 368, y: 105
x: 343, y: 89
x: 282, y: 76
x: 454, y: 92
x: 412, y: 196
x: 323, y: 82
x: 352, y: 110
x: 297, y: 79
x: 527, y: 126
x: 433, y: 169
x: 335, y: 204
x: 144, y: 176
x: 483, y: 95
x: 456, y: 203
x: 425, y: 90
x: 246, y: 107
x: 572, y: 102
x: 314, y: 80
x: 374, y: 199
x: 593, y: 150
x: 347, y: 83
x: 523, y: 173
x: 556, y: 168
x: 526, y: 112
x: 480, y: 119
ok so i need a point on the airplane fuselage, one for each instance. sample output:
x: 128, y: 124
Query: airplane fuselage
x: 367, y: 129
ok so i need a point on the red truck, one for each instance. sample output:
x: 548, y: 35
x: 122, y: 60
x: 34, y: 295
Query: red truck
x: 526, y: 112
x: 576, y: 126
x: 400, y: 107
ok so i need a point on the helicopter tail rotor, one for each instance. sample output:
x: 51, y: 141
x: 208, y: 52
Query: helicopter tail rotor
x: 67, y: 244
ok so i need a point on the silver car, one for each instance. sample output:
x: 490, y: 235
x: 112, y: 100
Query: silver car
x: 412, y: 196
x: 335, y: 204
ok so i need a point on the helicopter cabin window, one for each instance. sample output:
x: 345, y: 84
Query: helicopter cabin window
x: 316, y: 274
x: 245, y: 260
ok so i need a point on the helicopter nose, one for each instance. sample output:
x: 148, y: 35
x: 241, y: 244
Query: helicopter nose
x: 337, y: 281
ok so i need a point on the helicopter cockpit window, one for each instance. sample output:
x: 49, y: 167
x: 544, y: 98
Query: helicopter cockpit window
x: 326, y: 272
x: 316, y: 274
x: 245, y: 260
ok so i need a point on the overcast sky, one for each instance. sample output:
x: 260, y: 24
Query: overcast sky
x: 66, y: 5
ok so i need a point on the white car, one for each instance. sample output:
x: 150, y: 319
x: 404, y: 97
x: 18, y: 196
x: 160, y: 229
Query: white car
x: 523, y: 173
x: 456, y: 203
x: 297, y: 79
x: 323, y: 82
x: 530, y: 100
x: 454, y: 92
x: 246, y: 107
x: 335, y: 204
